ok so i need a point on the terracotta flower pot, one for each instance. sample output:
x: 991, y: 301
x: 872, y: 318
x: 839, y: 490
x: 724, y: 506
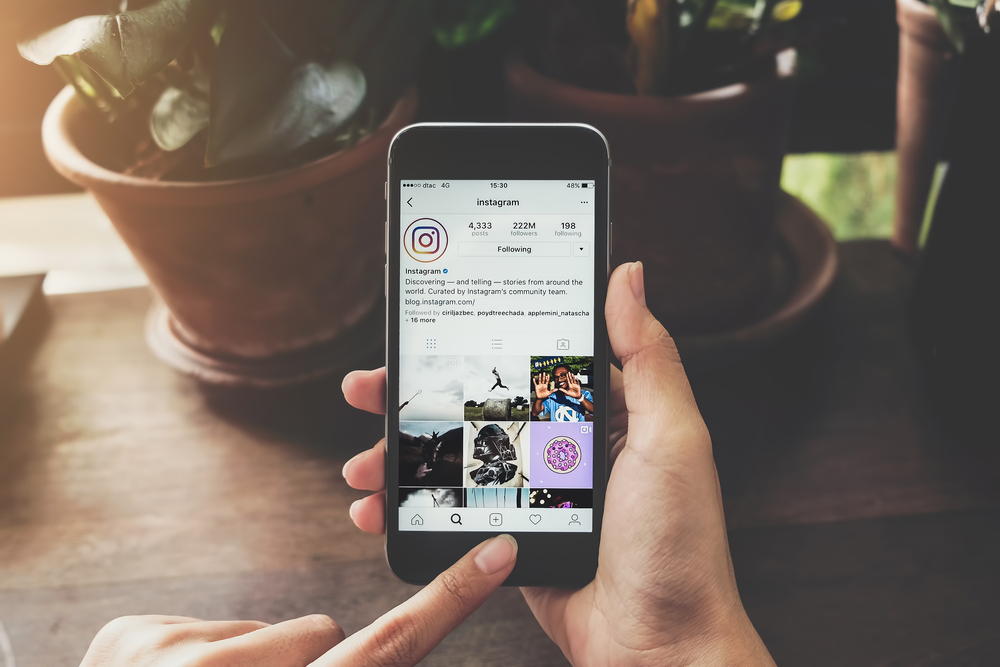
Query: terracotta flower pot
x: 924, y: 93
x: 694, y: 186
x: 250, y: 268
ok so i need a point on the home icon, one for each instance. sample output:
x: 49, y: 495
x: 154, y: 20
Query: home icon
x: 417, y: 520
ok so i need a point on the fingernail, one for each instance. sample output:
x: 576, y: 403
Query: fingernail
x: 354, y: 506
x: 635, y: 281
x: 497, y: 554
x: 343, y: 470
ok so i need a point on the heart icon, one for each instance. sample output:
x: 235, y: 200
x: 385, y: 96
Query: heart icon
x: 535, y: 518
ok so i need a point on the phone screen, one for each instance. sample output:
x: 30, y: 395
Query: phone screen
x: 496, y: 356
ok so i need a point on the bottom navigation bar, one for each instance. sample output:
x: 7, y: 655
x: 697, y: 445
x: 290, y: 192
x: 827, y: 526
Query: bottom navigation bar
x: 479, y: 519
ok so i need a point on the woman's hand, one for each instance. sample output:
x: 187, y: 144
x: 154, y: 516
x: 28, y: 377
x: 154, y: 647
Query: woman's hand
x: 401, y: 637
x: 167, y: 641
x: 665, y: 592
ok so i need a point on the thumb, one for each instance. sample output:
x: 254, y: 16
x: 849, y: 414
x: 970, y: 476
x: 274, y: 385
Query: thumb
x: 657, y: 393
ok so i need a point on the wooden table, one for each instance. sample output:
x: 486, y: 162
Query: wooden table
x: 860, y: 534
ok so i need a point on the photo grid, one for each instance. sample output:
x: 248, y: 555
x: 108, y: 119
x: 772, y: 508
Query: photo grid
x: 499, y: 431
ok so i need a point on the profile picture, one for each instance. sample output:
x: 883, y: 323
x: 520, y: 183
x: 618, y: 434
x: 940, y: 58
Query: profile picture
x: 496, y: 388
x: 425, y: 240
x: 430, y: 454
x: 430, y: 497
x: 562, y: 389
x: 495, y: 454
x: 562, y: 455
x: 430, y: 388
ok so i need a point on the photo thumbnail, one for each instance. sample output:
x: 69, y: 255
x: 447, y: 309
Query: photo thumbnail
x: 430, y: 497
x: 562, y: 389
x: 496, y: 388
x: 562, y: 498
x: 562, y: 455
x: 496, y: 454
x: 430, y: 388
x: 496, y: 497
x: 430, y: 454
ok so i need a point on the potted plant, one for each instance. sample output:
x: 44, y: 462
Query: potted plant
x: 694, y: 98
x: 932, y: 37
x: 239, y: 146
x: 955, y: 290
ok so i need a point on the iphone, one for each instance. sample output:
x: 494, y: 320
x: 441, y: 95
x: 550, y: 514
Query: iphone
x: 497, y: 249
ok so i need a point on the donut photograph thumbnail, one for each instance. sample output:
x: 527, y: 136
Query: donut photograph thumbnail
x: 562, y: 455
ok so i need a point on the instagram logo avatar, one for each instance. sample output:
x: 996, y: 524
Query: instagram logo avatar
x: 425, y: 240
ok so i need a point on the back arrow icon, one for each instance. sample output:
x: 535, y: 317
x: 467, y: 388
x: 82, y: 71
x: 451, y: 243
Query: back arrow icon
x: 409, y: 200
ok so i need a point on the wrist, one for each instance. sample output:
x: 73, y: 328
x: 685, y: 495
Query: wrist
x: 715, y: 634
x: 729, y: 641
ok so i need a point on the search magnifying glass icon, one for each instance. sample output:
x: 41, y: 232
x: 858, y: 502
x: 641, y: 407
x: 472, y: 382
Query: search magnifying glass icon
x: 456, y: 518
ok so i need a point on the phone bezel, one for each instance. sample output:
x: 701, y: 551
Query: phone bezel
x: 474, y: 151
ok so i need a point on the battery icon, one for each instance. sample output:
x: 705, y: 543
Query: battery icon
x: 584, y: 185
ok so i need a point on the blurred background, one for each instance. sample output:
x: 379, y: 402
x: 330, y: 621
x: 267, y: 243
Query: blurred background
x: 840, y: 162
x: 810, y: 185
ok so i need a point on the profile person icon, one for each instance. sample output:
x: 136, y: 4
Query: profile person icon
x: 574, y: 520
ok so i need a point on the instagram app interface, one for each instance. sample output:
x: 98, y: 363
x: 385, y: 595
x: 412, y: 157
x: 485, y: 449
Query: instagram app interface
x: 496, y: 367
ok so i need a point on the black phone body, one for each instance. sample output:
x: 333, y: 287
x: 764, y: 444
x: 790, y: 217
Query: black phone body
x: 497, y: 248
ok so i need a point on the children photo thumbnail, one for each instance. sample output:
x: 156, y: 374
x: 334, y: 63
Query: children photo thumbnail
x: 561, y: 498
x: 562, y: 455
x: 496, y: 454
x: 430, y: 497
x: 562, y: 389
x: 430, y: 388
x: 430, y: 454
x: 503, y: 497
x: 496, y: 388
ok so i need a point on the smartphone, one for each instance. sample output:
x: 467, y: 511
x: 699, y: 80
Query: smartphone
x: 497, y: 249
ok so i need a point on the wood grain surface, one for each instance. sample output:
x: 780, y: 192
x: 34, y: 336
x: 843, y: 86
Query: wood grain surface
x: 860, y: 534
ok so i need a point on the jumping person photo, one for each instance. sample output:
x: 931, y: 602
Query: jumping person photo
x: 499, y: 382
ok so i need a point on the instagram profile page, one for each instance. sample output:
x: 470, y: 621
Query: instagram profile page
x: 496, y: 356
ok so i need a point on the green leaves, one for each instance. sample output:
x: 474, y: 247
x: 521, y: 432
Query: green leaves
x: 177, y: 117
x: 963, y: 20
x: 125, y: 49
x: 265, y: 78
x: 80, y: 36
x: 460, y: 22
x: 265, y: 101
x: 950, y: 23
x: 312, y: 103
